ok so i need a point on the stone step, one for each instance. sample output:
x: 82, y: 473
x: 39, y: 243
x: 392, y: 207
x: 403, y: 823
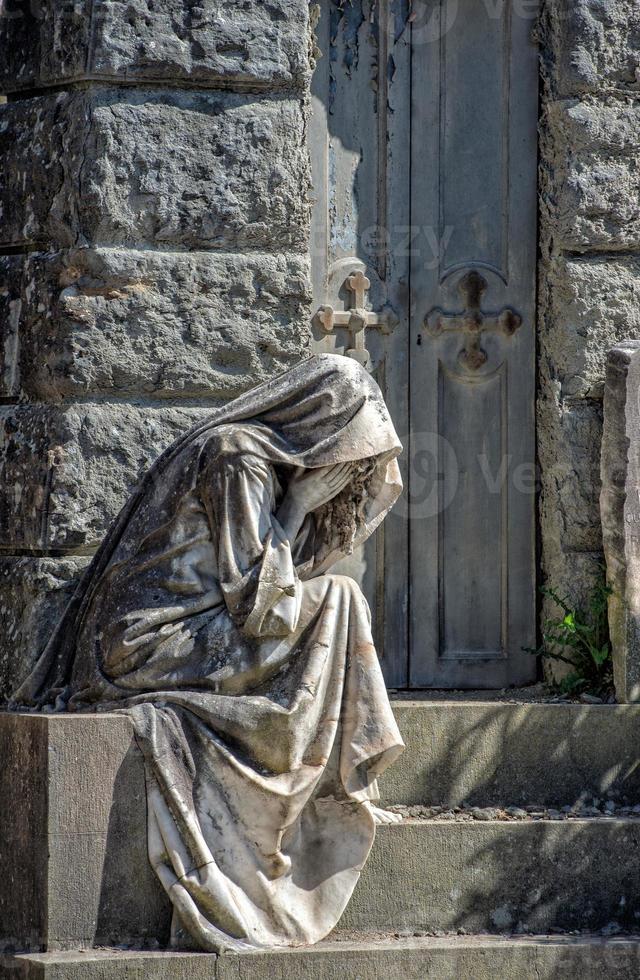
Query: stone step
x: 447, y: 958
x: 494, y: 876
x: 76, y: 830
x: 489, y: 753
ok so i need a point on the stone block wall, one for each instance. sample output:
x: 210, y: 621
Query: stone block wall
x: 153, y: 257
x: 589, y: 274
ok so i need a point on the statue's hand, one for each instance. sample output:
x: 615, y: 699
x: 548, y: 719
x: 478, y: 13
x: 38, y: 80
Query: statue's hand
x: 309, y: 489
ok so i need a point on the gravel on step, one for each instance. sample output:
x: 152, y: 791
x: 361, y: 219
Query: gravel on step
x: 343, y: 935
x: 586, y: 808
x: 531, y: 694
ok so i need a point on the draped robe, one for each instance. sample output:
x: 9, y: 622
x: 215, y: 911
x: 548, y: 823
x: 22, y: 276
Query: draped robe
x: 248, y: 670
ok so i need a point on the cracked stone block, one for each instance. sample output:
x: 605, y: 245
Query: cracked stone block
x: 243, y: 43
x: 74, y: 862
x: 569, y: 439
x: 570, y: 435
x: 590, y: 45
x: 67, y: 470
x: 10, y: 312
x: 96, y: 167
x: 590, y: 174
x: 589, y: 305
x: 33, y: 596
x: 122, y: 322
x: 620, y: 508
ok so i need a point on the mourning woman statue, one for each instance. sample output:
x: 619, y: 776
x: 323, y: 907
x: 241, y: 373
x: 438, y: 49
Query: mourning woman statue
x: 249, y: 672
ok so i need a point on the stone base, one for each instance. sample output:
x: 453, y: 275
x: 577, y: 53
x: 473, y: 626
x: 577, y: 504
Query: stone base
x: 449, y: 958
x: 73, y: 863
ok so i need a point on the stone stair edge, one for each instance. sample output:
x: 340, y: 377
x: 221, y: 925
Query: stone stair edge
x: 334, y: 943
x: 493, y: 876
x: 427, y: 704
x: 475, y: 957
x: 398, y: 702
x: 575, y: 822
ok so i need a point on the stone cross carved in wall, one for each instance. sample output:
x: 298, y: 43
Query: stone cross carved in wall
x: 472, y: 322
x: 356, y: 320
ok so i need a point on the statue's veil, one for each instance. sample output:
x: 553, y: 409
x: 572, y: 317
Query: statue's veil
x: 325, y: 410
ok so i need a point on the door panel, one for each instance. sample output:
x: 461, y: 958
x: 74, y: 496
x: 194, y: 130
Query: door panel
x: 471, y: 526
x: 424, y: 168
x: 472, y: 367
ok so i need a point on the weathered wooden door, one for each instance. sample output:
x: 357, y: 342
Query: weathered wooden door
x: 424, y: 162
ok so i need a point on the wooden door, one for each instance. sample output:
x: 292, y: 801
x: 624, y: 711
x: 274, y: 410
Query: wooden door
x: 424, y: 163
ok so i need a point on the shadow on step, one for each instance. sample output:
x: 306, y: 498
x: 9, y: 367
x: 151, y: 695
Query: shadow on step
x: 501, y: 877
x: 494, y: 753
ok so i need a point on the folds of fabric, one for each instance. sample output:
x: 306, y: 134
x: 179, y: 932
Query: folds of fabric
x: 257, y: 832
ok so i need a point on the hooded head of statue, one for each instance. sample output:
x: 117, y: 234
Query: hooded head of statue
x: 327, y: 410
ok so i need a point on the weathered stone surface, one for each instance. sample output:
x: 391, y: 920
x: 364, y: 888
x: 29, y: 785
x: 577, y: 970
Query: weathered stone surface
x: 569, y: 435
x: 586, y: 304
x: 70, y: 469
x: 493, y: 753
x: 10, y: 310
x: 620, y: 511
x: 96, y: 167
x: 573, y: 574
x: 125, y: 322
x: 589, y: 305
x: 569, y: 451
x: 358, y: 958
x: 447, y: 958
x: 33, y: 595
x: 74, y: 858
x: 589, y: 203
x: 247, y: 43
x: 590, y: 45
x: 591, y: 179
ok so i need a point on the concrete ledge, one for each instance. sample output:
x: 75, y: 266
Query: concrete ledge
x: 454, y: 958
x: 495, y: 753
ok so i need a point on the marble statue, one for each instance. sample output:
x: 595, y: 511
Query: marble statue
x: 209, y: 615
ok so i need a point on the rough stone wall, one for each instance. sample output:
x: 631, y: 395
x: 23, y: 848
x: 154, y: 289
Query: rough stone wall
x: 153, y: 257
x: 589, y: 276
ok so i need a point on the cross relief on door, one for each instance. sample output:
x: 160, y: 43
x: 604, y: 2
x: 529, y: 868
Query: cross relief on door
x: 424, y: 157
x: 472, y: 322
x: 356, y: 320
